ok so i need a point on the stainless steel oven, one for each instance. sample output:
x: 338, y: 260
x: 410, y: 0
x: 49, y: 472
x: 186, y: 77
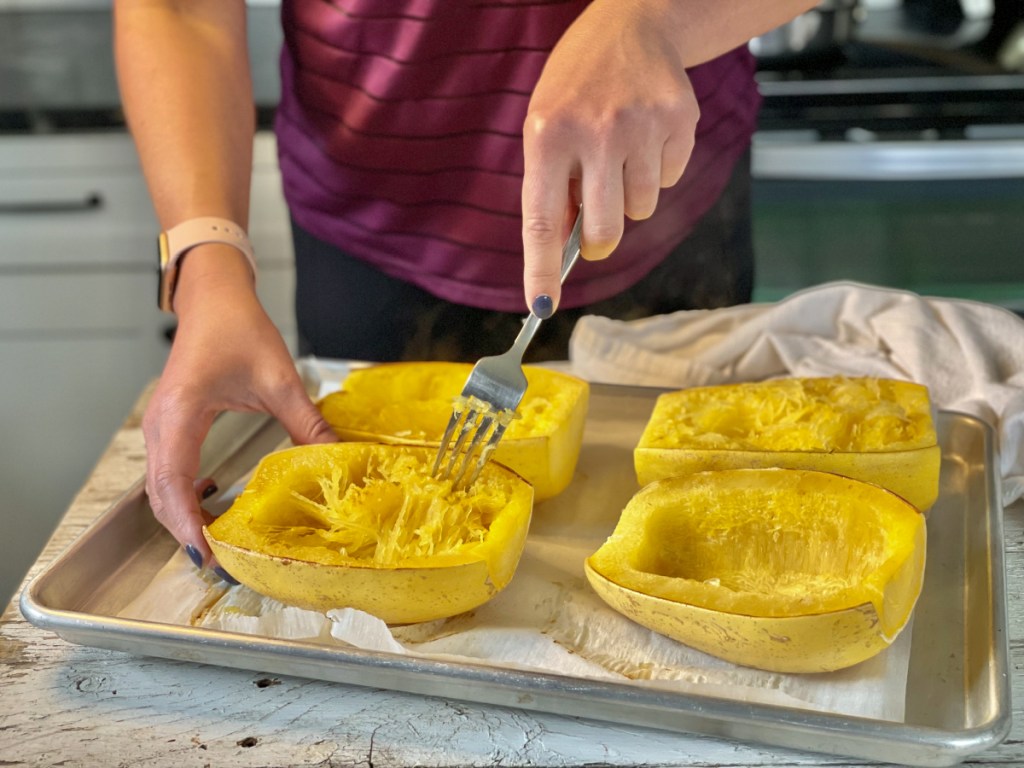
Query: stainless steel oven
x: 899, y: 162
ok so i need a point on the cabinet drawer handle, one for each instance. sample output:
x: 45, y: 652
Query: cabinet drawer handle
x: 92, y: 201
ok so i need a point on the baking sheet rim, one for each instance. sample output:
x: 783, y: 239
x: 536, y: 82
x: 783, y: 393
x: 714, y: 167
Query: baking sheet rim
x: 874, y: 739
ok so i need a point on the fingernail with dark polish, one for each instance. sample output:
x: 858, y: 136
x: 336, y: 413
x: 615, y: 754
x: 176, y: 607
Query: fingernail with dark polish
x: 225, y: 575
x: 209, y: 490
x: 194, y: 556
x: 543, y: 307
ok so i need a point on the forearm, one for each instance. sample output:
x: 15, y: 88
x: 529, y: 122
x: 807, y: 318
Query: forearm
x: 701, y: 30
x: 185, y: 85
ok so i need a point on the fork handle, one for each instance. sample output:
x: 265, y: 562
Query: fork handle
x: 525, y: 336
x: 571, y: 249
x: 570, y: 255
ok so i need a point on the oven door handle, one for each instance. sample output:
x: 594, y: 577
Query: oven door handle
x: 888, y: 160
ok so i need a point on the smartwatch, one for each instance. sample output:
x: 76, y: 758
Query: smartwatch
x: 173, y: 244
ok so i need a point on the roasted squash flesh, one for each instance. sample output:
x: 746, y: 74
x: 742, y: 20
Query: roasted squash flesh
x: 792, y: 551
x: 412, y: 402
x: 364, y: 525
x: 876, y: 430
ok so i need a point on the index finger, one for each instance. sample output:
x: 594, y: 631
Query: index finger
x: 173, y: 445
x: 545, y: 200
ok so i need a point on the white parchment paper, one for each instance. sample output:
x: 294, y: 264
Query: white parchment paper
x: 547, y: 620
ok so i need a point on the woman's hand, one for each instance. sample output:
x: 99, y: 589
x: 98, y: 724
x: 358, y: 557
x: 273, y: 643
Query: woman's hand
x: 185, y: 81
x: 227, y: 355
x: 613, y: 117
x: 611, y: 121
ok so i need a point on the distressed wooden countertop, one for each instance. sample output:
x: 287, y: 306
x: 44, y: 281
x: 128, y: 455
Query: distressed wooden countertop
x: 67, y: 705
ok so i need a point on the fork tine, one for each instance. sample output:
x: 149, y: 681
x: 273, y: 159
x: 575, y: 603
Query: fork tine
x: 473, y: 415
x: 483, y: 429
x: 458, y: 408
x: 451, y: 456
x: 504, y: 419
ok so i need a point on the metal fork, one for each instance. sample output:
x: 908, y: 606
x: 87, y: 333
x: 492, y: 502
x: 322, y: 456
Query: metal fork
x: 491, y: 395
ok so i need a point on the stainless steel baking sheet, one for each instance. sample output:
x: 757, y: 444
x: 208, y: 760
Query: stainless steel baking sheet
x: 957, y: 699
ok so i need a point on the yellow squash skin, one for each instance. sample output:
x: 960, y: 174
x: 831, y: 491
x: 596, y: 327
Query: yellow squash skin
x: 876, y: 430
x: 399, y: 545
x: 778, y: 569
x: 410, y: 403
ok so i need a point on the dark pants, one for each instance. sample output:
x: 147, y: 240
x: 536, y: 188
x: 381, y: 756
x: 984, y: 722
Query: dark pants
x: 347, y: 309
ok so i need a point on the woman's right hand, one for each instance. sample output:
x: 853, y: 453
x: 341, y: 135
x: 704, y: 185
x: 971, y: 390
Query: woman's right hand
x: 226, y: 355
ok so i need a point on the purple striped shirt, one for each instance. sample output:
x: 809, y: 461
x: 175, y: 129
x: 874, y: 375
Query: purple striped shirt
x: 400, y: 141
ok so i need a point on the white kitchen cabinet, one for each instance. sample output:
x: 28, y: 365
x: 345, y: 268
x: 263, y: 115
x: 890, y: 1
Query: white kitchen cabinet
x: 80, y: 334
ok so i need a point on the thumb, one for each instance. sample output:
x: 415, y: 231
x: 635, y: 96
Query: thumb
x: 302, y: 419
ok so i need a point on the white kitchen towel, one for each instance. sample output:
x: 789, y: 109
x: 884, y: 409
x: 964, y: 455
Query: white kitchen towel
x: 969, y: 354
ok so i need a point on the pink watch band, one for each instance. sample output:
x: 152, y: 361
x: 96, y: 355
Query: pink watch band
x: 179, y: 239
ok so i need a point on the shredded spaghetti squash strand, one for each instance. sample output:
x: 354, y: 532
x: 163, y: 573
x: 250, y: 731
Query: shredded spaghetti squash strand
x: 826, y: 414
x: 397, y: 512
